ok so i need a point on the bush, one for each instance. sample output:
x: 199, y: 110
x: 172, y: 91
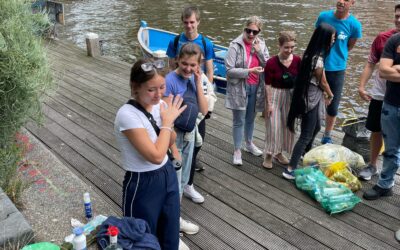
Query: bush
x: 24, y: 78
x: 24, y: 69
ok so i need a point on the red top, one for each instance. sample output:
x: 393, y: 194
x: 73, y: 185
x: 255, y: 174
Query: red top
x: 274, y: 70
x: 378, y: 45
x: 255, y: 62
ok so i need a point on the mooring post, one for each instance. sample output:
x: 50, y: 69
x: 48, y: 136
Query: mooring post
x: 93, y: 45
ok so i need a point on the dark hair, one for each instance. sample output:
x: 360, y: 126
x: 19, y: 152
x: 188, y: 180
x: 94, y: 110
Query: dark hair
x: 190, y: 49
x: 188, y: 11
x: 319, y: 45
x: 138, y: 76
x: 396, y: 7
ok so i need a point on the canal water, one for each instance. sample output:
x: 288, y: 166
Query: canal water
x: 117, y: 23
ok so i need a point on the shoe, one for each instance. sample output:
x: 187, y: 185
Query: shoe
x: 191, y: 193
x: 182, y: 245
x: 267, y: 161
x: 376, y: 192
x: 251, y: 148
x: 397, y: 235
x: 281, y: 159
x: 199, y: 166
x: 237, y: 158
x: 326, y: 139
x: 187, y: 227
x: 289, y: 175
x: 367, y: 172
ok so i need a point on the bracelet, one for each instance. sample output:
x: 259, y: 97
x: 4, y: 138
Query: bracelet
x: 168, y: 128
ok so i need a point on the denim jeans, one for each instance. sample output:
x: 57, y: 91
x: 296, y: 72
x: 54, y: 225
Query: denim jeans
x: 244, y: 119
x: 336, y: 81
x: 390, y: 122
x: 185, y: 144
x: 310, y: 126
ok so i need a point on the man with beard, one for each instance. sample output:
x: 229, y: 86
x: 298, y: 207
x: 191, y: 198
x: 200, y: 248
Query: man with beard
x: 375, y: 96
x: 348, y: 30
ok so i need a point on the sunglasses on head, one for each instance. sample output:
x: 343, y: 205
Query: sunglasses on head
x: 147, y: 67
x: 249, y: 31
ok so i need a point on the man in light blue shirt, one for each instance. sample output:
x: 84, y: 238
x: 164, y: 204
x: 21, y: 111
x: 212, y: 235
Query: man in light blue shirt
x: 348, y: 30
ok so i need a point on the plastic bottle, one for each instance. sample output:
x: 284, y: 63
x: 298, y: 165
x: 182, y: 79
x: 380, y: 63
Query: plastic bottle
x: 88, y: 206
x: 113, y: 232
x: 79, y: 241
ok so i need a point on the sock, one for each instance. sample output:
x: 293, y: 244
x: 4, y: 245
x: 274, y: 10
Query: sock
x: 327, y: 134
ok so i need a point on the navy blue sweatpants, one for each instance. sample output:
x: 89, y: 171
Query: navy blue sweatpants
x: 154, y: 197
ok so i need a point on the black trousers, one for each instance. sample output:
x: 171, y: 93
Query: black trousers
x: 202, y: 131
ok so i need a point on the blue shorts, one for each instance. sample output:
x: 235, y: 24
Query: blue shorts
x: 336, y: 81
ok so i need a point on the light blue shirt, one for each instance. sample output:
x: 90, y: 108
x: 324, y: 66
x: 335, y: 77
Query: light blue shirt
x: 176, y: 84
x: 345, y: 29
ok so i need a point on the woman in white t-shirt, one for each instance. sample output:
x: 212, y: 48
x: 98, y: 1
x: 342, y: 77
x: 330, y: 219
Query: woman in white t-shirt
x: 143, y: 130
x: 310, y: 89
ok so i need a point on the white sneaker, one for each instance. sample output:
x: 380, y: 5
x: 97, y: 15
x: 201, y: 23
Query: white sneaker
x: 251, y: 148
x: 182, y: 245
x: 187, y: 227
x: 191, y: 193
x: 237, y: 158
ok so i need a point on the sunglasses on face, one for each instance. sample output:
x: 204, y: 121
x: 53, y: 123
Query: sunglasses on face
x: 249, y: 31
x: 147, y: 67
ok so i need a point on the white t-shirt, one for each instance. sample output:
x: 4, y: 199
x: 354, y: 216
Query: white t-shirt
x: 128, y: 117
x: 319, y: 65
x: 379, y: 88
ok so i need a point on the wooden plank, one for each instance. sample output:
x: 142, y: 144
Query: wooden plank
x: 233, y: 219
x: 271, y: 186
x: 204, y: 239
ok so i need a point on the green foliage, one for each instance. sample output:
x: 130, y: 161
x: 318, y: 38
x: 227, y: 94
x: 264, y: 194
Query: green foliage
x: 10, y: 181
x: 24, y: 69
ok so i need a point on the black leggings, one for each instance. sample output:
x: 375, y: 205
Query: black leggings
x: 202, y: 131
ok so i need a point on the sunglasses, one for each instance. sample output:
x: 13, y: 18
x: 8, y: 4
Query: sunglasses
x: 147, y: 67
x: 249, y: 31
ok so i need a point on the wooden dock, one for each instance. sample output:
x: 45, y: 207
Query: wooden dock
x: 245, y: 207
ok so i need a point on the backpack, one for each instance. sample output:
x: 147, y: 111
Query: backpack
x: 176, y: 42
x: 186, y: 121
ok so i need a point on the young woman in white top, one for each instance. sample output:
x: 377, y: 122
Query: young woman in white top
x: 150, y: 187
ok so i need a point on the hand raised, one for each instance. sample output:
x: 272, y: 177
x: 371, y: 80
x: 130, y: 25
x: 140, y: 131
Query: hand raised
x: 171, y: 110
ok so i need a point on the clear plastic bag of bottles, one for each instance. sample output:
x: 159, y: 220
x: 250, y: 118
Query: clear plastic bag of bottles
x: 333, y: 196
x: 327, y: 154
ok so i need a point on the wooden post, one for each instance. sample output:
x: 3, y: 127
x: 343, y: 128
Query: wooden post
x: 93, y: 45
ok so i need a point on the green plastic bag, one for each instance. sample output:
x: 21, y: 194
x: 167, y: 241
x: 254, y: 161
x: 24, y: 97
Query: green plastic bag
x: 42, y: 246
x: 334, y: 197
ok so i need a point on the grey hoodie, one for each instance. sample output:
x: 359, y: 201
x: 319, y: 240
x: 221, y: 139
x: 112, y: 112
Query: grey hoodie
x: 237, y: 73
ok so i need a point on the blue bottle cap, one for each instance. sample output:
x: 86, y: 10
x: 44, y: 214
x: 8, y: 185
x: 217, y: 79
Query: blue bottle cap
x: 78, y: 231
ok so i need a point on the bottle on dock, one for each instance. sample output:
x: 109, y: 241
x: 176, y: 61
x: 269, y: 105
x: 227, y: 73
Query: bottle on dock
x: 79, y: 241
x: 88, y: 206
x: 113, y: 232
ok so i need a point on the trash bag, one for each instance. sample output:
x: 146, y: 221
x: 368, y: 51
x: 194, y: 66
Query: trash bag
x: 333, y: 196
x: 41, y: 246
x: 327, y: 154
x: 356, y: 136
x: 339, y: 172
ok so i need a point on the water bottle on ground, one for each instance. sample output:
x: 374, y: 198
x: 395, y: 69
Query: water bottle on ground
x: 88, y: 206
x: 79, y: 241
x: 113, y: 232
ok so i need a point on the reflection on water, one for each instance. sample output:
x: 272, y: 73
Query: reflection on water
x: 117, y: 22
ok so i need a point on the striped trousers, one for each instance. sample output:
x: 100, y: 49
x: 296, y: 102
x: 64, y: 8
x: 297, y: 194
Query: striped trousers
x: 278, y: 137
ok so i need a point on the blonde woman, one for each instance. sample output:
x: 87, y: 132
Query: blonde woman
x: 280, y: 73
x: 245, y: 62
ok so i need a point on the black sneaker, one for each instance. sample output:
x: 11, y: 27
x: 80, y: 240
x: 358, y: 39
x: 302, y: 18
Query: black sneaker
x: 199, y: 166
x: 289, y: 175
x: 376, y: 192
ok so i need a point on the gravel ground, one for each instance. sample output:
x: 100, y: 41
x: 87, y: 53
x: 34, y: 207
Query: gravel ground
x: 55, y: 195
